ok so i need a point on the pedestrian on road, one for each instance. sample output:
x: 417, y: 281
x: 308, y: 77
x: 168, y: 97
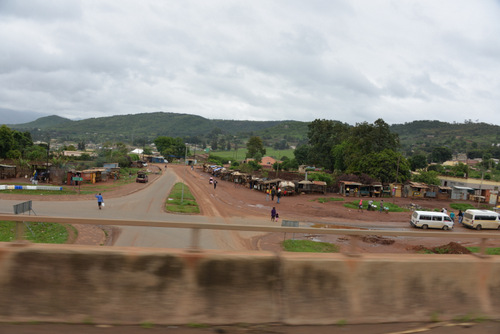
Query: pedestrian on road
x: 100, y: 201
x: 460, y: 216
x: 360, y: 206
x: 381, y: 206
x: 267, y: 195
x: 215, y: 184
x: 452, y: 216
x: 278, y: 195
x: 273, y: 193
x: 273, y: 214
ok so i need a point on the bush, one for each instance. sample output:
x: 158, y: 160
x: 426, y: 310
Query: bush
x: 328, y: 178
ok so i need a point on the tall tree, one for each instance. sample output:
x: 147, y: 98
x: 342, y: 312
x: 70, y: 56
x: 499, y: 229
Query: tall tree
x: 418, y: 161
x: 170, y: 146
x: 440, y: 154
x: 323, y: 136
x: 255, y: 146
x: 386, y: 166
x: 6, y: 141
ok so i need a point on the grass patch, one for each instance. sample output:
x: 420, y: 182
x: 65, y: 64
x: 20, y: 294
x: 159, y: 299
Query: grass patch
x: 392, y: 207
x: 489, y: 251
x: 181, y: 201
x: 65, y: 191
x: 309, y: 246
x: 47, y: 233
x: 461, y: 206
x: 240, y: 154
x: 328, y: 199
x: 471, y: 317
x: 147, y: 325
x: 197, y: 325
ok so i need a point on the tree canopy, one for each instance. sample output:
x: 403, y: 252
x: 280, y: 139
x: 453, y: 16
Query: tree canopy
x: 366, y: 148
x: 169, y: 146
x: 13, y: 143
x: 255, y: 148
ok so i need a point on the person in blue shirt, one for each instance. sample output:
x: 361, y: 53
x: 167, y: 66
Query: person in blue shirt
x: 452, y: 216
x: 99, y: 200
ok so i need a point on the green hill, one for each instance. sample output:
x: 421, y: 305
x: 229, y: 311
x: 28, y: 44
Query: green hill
x: 415, y: 137
x: 46, y: 122
x: 458, y: 137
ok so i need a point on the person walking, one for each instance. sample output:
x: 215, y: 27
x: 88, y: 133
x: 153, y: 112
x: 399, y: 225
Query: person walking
x: 215, y: 184
x: 100, y: 201
x: 452, y: 216
x: 273, y: 193
x: 278, y: 195
x: 381, y: 206
x: 267, y: 195
x: 460, y: 216
x: 360, y: 205
x: 273, y: 214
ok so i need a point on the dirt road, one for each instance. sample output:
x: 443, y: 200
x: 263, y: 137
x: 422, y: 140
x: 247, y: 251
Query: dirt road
x: 228, y: 203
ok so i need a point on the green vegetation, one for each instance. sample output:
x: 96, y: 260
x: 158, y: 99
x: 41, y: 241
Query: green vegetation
x: 461, y: 206
x: 488, y: 251
x: 381, y: 152
x: 240, y: 154
x: 147, y: 325
x: 392, y: 207
x: 197, y: 325
x: 65, y: 191
x: 328, y: 199
x: 309, y: 246
x: 47, y: 233
x: 341, y: 322
x: 181, y: 200
x: 471, y: 317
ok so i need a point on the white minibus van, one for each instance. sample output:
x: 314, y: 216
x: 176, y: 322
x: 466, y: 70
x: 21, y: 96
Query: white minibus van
x: 480, y: 219
x: 431, y: 219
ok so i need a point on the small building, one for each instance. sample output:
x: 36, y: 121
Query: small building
x: 269, y: 184
x: 158, y: 160
x: 7, y: 172
x: 461, y: 193
x: 396, y: 189
x: 439, y: 192
x: 319, y: 187
x: 268, y: 162
x: 349, y: 188
x: 415, y: 189
x: 304, y: 186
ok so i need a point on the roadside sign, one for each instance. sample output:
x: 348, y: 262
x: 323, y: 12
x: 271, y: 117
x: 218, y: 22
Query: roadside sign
x: 76, y: 178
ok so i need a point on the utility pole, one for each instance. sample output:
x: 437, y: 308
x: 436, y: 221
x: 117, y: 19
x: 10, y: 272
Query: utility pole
x: 182, y: 193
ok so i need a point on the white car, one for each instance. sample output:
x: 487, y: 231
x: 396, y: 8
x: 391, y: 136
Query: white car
x: 431, y: 219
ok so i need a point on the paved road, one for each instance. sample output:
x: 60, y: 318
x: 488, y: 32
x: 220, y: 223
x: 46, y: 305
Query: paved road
x: 146, y: 204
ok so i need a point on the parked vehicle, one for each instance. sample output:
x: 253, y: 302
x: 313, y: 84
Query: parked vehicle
x: 430, y: 219
x: 141, y: 177
x: 480, y: 219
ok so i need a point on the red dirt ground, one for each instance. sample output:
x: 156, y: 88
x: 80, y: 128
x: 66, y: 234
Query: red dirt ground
x: 233, y: 200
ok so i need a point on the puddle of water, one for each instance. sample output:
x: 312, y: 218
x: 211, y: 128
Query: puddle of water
x: 260, y: 206
x: 315, y: 225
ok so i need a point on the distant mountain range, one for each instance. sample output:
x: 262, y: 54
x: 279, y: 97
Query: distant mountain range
x: 9, y: 116
x: 414, y: 136
x: 126, y: 128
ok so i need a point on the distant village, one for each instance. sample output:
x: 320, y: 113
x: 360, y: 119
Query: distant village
x: 291, y: 183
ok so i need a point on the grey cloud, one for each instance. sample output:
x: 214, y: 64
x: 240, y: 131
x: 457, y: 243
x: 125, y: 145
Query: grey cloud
x: 43, y: 10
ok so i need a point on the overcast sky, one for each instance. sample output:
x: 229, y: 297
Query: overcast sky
x: 352, y: 61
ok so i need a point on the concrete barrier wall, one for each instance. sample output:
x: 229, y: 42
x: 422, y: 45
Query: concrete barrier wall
x: 131, y: 285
